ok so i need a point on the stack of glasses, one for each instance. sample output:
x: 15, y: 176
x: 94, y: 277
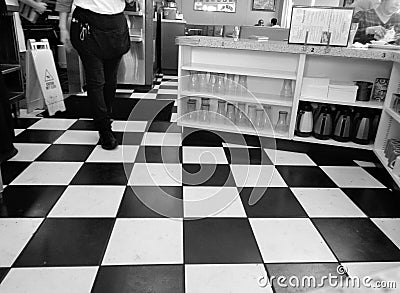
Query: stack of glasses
x: 392, y: 153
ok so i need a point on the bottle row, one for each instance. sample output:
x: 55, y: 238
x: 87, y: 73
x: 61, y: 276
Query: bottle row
x: 227, y: 84
x: 242, y: 115
x: 342, y: 124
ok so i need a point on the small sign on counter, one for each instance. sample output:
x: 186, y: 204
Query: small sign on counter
x: 320, y: 25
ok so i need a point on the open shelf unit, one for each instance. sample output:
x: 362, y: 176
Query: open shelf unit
x: 266, y: 72
x: 8, y: 68
x: 381, y: 156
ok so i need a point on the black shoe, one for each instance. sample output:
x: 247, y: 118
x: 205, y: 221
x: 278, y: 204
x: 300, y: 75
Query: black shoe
x: 8, y: 155
x: 107, y: 140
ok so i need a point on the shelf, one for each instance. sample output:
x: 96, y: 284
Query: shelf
x: 393, y: 114
x: 16, y: 96
x: 369, y: 104
x: 259, y: 72
x: 381, y: 156
x: 133, y: 13
x: 228, y: 128
x: 8, y: 68
x: 333, y: 142
x: 137, y: 39
x: 266, y: 99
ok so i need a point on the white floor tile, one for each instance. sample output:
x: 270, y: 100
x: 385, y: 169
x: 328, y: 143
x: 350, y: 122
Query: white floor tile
x: 202, y: 155
x: 257, y: 175
x: 391, y: 227
x: 156, y: 174
x: 162, y: 139
x: 129, y: 126
x: 290, y: 240
x: 15, y: 234
x: 206, y: 201
x: 48, y: 173
x: 168, y: 91
x: 23, y: 113
x: 219, y: 278
x: 170, y: 77
x: 289, y: 158
x: 147, y: 96
x: 53, y: 124
x: 145, y: 241
x: 171, y: 82
x: 124, y: 91
x: 232, y: 145
x: 351, y: 177
x: 174, y: 117
x: 366, y: 269
x: 49, y: 280
x: 29, y: 151
x: 122, y: 154
x: 365, y: 164
x: 18, y: 131
x: 88, y: 202
x: 326, y: 202
x: 78, y: 137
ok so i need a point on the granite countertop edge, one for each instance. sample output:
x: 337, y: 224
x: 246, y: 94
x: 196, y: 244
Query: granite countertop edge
x: 284, y: 47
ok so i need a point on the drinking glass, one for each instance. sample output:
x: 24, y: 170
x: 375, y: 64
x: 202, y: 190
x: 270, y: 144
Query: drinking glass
x: 220, y: 111
x: 241, y: 115
x: 193, y: 81
x: 231, y: 84
x: 205, y: 114
x: 252, y: 114
x: 282, y: 126
x: 220, y: 89
x: 191, y: 109
x: 242, y: 84
x: 213, y: 81
x: 230, y: 114
x: 286, y: 91
x: 260, y: 118
x: 203, y: 84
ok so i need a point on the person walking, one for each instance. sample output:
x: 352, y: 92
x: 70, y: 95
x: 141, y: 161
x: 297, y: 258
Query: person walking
x: 100, y: 34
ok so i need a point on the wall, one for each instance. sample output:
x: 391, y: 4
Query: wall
x: 243, y: 16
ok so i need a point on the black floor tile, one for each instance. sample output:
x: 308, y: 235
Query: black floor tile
x: 207, y: 175
x: 194, y: 137
x: 129, y: 138
x: 376, y: 202
x: 67, y: 242
x: 151, y: 202
x: 219, y: 241
x: 151, y: 278
x: 164, y: 126
x: 158, y: 154
x: 166, y: 97
x: 382, y: 176
x: 169, y: 87
x: 23, y: 123
x: 83, y: 125
x: 3, y: 273
x: 29, y: 201
x: 103, y: 174
x: 357, y: 240
x: 151, y: 110
x: 315, y: 272
x: 301, y: 176
x: 10, y: 170
x: 38, y: 136
x: 76, y: 107
x: 274, y: 202
x: 247, y: 156
x: 123, y: 95
x: 66, y: 153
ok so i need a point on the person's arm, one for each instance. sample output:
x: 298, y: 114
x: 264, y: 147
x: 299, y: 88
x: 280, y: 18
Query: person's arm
x: 39, y: 7
x: 367, y: 32
x: 64, y: 8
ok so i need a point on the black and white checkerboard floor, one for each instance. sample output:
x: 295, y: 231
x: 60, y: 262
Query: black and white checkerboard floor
x: 76, y: 218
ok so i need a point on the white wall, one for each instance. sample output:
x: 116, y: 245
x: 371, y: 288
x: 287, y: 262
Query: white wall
x: 243, y: 16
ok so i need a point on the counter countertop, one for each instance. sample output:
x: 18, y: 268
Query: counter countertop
x: 284, y: 47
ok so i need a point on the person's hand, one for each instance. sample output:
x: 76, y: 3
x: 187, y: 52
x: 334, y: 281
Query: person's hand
x: 40, y: 7
x: 65, y: 39
x: 378, y: 31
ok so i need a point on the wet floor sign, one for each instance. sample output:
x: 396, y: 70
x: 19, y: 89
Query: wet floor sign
x: 42, y: 84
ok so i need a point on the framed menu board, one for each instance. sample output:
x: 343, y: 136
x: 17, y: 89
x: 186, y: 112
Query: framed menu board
x: 215, y: 5
x: 320, y: 25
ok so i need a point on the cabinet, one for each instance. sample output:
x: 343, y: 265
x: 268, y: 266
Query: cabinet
x: 267, y: 66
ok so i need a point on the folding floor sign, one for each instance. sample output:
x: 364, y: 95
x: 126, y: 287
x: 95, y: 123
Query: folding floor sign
x: 42, y: 83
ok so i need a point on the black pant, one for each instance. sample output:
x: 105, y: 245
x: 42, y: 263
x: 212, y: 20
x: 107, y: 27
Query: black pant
x: 100, y: 48
x: 6, y: 125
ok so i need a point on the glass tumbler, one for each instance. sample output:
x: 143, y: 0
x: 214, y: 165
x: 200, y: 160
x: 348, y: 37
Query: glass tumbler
x: 252, y: 114
x: 241, y: 115
x: 193, y: 81
x: 220, y: 89
x: 286, y: 91
x: 205, y: 114
x: 230, y: 114
x: 220, y: 115
x: 213, y: 81
x: 282, y: 126
x: 191, y: 109
x: 260, y: 118
x: 242, y: 85
x: 203, y: 83
x: 231, y: 84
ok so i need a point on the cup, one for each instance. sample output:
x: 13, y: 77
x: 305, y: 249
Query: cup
x: 364, y: 90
